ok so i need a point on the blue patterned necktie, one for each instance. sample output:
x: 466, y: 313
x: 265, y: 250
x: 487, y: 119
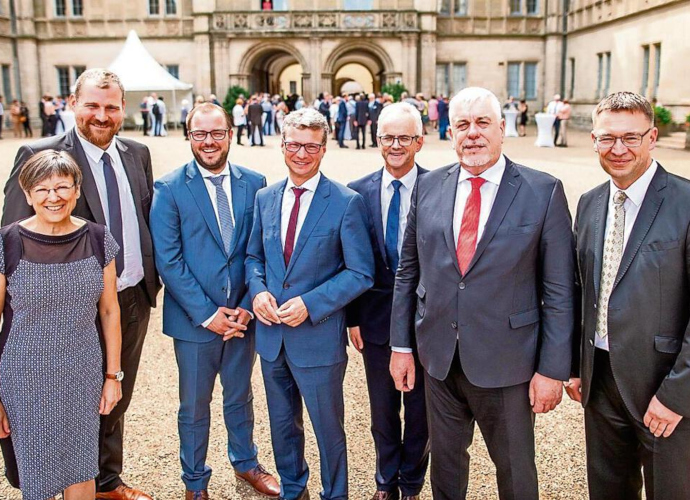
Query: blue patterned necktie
x: 227, y: 226
x: 114, y: 211
x: 392, y: 227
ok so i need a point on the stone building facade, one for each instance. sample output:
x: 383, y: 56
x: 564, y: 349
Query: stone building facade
x: 528, y: 48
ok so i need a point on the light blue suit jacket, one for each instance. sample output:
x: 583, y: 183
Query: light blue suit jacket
x: 189, y: 251
x: 331, y: 265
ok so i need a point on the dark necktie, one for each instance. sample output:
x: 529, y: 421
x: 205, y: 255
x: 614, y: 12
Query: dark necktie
x: 467, y: 240
x: 292, y: 226
x: 114, y: 210
x: 227, y: 226
x: 392, y: 227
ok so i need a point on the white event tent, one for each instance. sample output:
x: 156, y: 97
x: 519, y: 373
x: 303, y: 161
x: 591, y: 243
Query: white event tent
x: 141, y: 74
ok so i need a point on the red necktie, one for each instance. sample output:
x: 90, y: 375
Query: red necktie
x: 467, y: 240
x: 292, y: 226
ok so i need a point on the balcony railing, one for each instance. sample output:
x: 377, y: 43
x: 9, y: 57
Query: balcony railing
x: 309, y: 21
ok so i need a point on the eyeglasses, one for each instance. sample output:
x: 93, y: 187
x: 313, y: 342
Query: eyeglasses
x: 403, y: 140
x: 310, y: 148
x: 216, y: 135
x: 61, y: 191
x: 628, y: 140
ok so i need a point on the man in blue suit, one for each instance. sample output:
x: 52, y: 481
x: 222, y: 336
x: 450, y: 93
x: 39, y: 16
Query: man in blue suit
x: 308, y: 257
x: 401, y: 458
x: 341, y: 119
x: 200, y: 221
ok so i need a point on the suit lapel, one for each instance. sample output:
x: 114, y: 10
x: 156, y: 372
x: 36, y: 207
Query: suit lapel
x: 600, y: 213
x: 275, y: 225
x: 88, y: 186
x: 648, y: 211
x: 449, y: 189
x: 318, y: 205
x: 374, y: 200
x: 238, y: 187
x: 507, y: 189
x: 132, y: 172
x: 195, y: 183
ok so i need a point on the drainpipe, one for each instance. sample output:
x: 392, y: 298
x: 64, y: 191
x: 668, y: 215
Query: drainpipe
x: 15, y: 53
x: 564, y: 44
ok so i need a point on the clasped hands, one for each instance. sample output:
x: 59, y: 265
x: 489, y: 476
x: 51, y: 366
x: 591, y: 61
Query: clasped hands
x: 292, y: 313
x: 230, y: 323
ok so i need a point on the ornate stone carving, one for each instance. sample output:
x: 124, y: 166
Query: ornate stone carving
x: 241, y: 21
x: 410, y: 20
x: 219, y: 21
x: 172, y: 28
x: 270, y: 21
x: 79, y: 29
x: 327, y: 21
x: 303, y: 21
x: 389, y: 20
x: 59, y: 30
x: 359, y: 21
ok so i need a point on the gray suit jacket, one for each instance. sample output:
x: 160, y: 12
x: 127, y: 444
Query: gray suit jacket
x: 512, y: 311
x: 137, y: 162
x: 649, y: 308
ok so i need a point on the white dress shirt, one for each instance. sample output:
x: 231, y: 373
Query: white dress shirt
x: 211, y: 188
x: 493, y: 176
x: 133, y: 271
x: 635, y: 196
x: 304, y: 204
x: 387, y: 190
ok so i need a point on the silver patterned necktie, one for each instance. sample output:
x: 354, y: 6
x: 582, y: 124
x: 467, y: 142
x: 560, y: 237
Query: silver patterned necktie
x: 613, y: 253
x: 227, y: 225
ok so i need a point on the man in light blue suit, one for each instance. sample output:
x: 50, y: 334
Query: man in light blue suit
x: 308, y: 256
x: 201, y: 217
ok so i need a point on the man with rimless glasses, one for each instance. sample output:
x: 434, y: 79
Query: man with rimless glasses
x: 200, y: 221
x: 308, y: 257
x: 633, y: 252
x: 402, y: 457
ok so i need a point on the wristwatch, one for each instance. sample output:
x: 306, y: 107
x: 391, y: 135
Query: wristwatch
x: 116, y: 376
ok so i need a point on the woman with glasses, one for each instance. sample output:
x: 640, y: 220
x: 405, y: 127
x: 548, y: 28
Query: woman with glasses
x: 57, y: 277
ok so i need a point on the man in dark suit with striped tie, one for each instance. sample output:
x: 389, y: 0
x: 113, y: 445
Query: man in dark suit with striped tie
x: 402, y: 457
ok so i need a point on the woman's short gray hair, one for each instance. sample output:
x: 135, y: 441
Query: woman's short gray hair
x: 306, y: 118
x: 46, y: 164
x: 398, y: 109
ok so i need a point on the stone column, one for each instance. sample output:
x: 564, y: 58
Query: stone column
x: 316, y: 60
x: 427, y: 70
x: 221, y: 55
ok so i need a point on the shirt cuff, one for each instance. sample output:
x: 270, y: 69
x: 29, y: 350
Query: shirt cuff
x: 405, y: 350
x: 208, y: 321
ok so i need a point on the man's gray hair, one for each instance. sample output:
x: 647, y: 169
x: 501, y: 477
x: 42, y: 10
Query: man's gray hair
x: 104, y: 79
x: 399, y: 109
x: 471, y: 95
x: 625, y: 101
x: 306, y: 118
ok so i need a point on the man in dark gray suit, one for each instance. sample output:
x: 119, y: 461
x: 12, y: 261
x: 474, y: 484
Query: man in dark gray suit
x: 486, y: 281
x: 633, y: 252
x: 116, y: 191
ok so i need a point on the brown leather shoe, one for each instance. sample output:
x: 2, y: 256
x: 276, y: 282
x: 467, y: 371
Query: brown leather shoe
x: 262, y: 482
x: 386, y: 495
x: 123, y: 492
x: 196, y: 495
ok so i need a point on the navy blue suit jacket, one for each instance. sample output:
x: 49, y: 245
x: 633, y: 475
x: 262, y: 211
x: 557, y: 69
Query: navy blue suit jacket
x: 342, y: 112
x: 371, y: 311
x: 332, y: 264
x: 189, y: 250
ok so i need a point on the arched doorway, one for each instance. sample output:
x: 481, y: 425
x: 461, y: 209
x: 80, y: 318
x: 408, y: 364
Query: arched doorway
x: 361, y: 61
x: 353, y: 77
x: 267, y: 63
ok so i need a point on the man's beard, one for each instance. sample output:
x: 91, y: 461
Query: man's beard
x: 219, y: 165
x: 103, y: 139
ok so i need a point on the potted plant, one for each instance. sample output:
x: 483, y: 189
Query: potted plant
x: 663, y: 120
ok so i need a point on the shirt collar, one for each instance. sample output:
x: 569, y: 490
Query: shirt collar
x: 407, y: 180
x: 206, y: 174
x: 309, y: 185
x: 638, y: 189
x: 94, y: 152
x: 493, y: 174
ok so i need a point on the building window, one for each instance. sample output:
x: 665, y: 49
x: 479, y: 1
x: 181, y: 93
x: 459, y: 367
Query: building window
x: 170, y: 7
x: 530, y: 85
x: 532, y: 7
x: 63, y: 80
x: 459, y: 77
x: 461, y: 7
x: 78, y: 70
x: 515, y: 7
x: 514, y: 79
x: 607, y: 80
x: 174, y: 70
x: 572, y: 77
x: 600, y: 72
x: 77, y: 8
x: 154, y: 7
x: 444, y: 7
x: 451, y: 78
x: 657, y: 68
x: 645, y: 70
x: 442, y: 79
x: 358, y: 4
x: 280, y: 5
x: 60, y: 8
x: 293, y: 87
x: 458, y: 7
x: 6, y: 83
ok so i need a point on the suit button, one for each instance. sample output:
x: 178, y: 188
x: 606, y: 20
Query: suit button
x: 229, y: 263
x: 591, y: 342
x: 454, y: 324
x: 286, y: 286
x: 595, y: 305
x: 461, y: 286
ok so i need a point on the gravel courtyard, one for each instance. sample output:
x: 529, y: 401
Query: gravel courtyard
x: 151, y: 442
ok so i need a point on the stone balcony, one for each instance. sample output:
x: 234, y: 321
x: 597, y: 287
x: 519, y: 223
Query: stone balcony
x: 309, y: 22
x: 491, y: 26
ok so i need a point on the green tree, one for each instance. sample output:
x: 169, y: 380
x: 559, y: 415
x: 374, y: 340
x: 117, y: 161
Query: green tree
x: 394, y: 89
x: 662, y: 115
x: 233, y: 93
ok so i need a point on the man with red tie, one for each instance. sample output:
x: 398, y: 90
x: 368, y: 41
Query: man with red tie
x: 485, y: 295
